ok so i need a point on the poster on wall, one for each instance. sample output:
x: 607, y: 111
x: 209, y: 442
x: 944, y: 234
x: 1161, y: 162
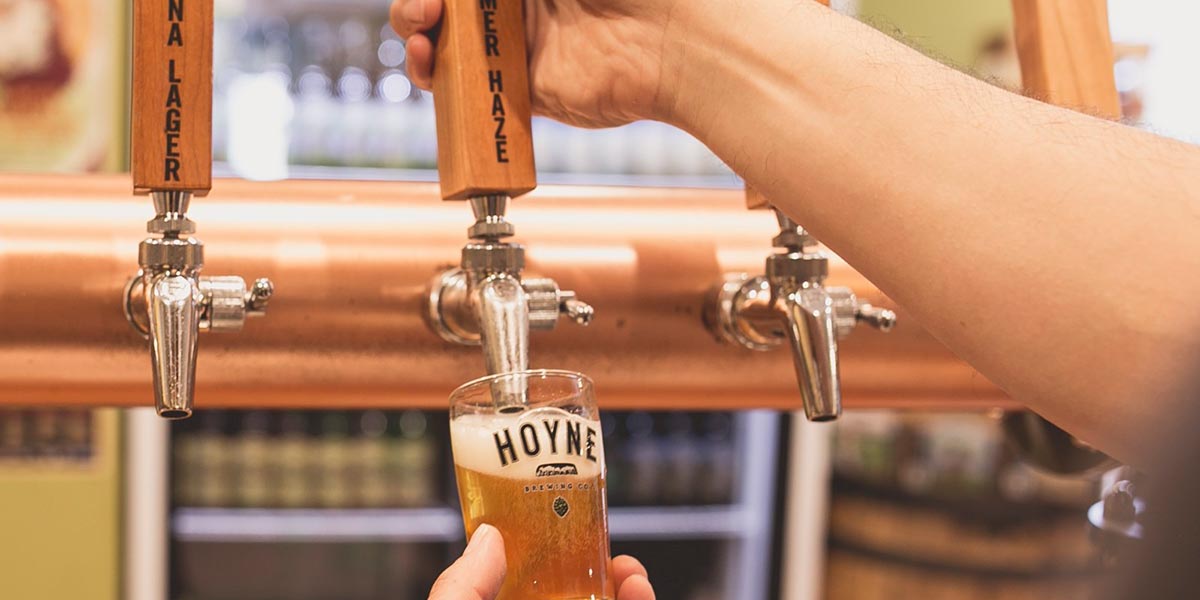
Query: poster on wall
x: 62, y: 85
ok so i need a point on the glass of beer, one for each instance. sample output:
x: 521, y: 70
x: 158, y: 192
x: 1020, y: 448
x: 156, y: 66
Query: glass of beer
x: 529, y: 459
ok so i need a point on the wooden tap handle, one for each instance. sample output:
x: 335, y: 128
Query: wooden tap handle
x: 755, y: 200
x: 481, y: 97
x: 1066, y: 54
x: 171, y: 136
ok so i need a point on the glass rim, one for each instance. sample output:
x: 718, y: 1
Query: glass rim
x: 539, y: 373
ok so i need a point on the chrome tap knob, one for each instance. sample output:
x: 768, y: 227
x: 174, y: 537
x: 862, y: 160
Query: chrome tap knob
x: 224, y: 303
x: 849, y: 311
x: 227, y: 302
x: 547, y: 302
x: 259, y: 296
x: 542, y: 294
x: 880, y: 318
x: 577, y: 310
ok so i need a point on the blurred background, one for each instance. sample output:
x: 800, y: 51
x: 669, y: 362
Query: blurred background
x: 361, y: 504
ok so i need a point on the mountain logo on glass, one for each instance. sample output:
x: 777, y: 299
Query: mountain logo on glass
x: 555, y: 469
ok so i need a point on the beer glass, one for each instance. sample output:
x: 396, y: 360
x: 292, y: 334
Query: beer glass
x: 529, y: 459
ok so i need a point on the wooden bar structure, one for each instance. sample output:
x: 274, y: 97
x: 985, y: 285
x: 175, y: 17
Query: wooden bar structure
x: 1066, y: 54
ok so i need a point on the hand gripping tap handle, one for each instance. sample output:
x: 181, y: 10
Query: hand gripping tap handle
x: 481, y: 97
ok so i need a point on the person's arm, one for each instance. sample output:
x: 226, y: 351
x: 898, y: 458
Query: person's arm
x: 1057, y: 253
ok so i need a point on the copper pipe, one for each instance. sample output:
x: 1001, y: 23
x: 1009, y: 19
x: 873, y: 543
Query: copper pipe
x: 352, y: 262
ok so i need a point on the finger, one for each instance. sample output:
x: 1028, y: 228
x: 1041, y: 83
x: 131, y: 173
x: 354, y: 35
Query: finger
x: 478, y: 573
x: 420, y: 61
x: 624, y: 566
x: 409, y: 17
x: 637, y: 587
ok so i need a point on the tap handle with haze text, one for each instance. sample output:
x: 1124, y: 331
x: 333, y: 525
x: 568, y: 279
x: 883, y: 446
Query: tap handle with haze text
x: 481, y: 97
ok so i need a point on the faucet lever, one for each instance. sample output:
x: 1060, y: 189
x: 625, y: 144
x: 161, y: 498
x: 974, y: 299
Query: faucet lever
x: 577, y: 310
x: 547, y: 303
x: 880, y: 318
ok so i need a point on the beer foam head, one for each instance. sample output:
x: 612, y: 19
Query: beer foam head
x: 537, y: 443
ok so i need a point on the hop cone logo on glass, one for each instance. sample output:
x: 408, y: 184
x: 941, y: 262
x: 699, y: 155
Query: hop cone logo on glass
x: 561, y: 507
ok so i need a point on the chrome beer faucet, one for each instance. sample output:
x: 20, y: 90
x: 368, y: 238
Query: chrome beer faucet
x: 791, y: 303
x: 487, y: 302
x: 168, y: 302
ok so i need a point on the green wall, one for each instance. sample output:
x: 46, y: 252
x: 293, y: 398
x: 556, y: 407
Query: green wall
x: 951, y: 30
x: 60, y: 525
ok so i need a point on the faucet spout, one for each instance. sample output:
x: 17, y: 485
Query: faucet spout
x: 174, y: 304
x: 812, y: 334
x: 502, y: 311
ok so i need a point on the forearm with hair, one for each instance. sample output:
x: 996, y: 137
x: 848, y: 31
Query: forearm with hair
x: 1058, y: 253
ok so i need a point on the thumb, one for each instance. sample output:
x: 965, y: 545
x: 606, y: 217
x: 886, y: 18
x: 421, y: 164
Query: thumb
x: 478, y: 573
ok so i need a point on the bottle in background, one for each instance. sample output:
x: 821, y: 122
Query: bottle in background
x: 185, y: 463
x: 615, y: 456
x: 45, y: 434
x: 681, y: 454
x: 370, y: 452
x: 251, y: 447
x: 645, y: 459
x: 12, y: 434
x: 334, y: 460
x: 213, y: 472
x: 716, y: 486
x: 411, y: 468
x: 76, y: 433
x: 292, y: 451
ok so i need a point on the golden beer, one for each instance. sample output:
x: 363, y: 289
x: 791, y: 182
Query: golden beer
x: 536, y: 473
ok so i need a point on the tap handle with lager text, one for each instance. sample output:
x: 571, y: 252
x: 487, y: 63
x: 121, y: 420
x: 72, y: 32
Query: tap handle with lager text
x: 171, y: 129
x: 481, y: 97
